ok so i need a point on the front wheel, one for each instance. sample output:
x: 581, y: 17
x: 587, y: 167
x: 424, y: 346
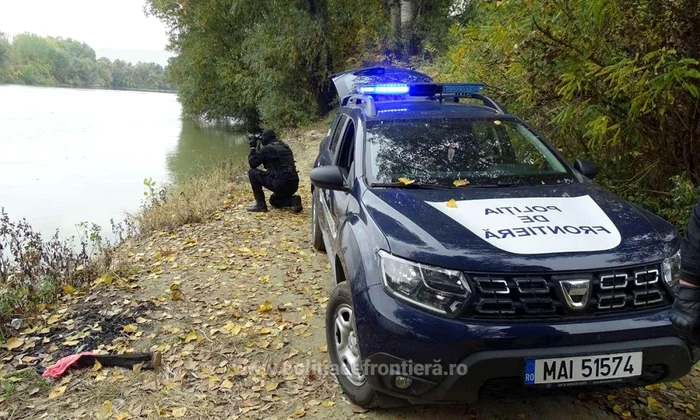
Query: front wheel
x: 344, y: 348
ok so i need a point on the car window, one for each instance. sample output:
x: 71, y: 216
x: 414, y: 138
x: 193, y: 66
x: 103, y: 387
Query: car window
x: 346, y: 156
x: 442, y: 150
x: 335, y: 139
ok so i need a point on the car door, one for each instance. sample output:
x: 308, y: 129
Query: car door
x: 345, y: 160
x: 326, y: 195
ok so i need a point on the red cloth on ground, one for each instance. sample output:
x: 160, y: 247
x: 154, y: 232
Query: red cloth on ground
x: 62, y: 365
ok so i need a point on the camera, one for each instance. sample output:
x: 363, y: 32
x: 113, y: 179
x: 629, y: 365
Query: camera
x: 254, y: 140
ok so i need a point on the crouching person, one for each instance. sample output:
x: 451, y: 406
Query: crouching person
x: 280, y: 175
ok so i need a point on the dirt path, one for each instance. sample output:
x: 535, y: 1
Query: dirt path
x: 237, y: 312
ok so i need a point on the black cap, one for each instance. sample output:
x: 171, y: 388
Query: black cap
x: 268, y: 136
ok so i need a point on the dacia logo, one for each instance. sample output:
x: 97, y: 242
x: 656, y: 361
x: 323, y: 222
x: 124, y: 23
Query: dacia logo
x: 576, y: 292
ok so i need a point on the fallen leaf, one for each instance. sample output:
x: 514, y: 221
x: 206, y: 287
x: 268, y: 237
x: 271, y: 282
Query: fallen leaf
x: 460, y: 182
x: 14, y: 343
x: 653, y: 402
x: 97, y: 366
x: 68, y: 289
x: 226, y: 384
x: 191, y: 336
x: 452, y: 204
x: 130, y: 328
x: 179, y: 413
x: 328, y: 404
x: 300, y: 412
x: 265, y: 307
x: 57, y: 392
x: 105, y: 410
x: 406, y: 181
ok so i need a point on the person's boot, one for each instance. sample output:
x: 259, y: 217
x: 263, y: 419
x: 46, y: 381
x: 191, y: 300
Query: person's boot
x: 296, y: 204
x: 257, y: 208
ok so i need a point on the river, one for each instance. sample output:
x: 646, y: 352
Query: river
x: 73, y: 155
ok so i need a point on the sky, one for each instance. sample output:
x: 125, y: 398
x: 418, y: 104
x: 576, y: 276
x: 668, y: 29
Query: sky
x: 111, y: 27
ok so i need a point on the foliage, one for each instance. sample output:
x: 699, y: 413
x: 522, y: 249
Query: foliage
x: 616, y: 81
x: 269, y: 61
x: 36, y: 60
x: 34, y: 271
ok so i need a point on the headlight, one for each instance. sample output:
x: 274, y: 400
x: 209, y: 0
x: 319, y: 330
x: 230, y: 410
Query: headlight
x: 435, y: 289
x: 671, y: 269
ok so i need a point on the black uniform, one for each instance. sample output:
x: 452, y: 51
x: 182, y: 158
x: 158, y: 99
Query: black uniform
x: 686, y: 308
x: 280, y: 175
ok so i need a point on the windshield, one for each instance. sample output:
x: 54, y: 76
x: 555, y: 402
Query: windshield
x: 459, y: 152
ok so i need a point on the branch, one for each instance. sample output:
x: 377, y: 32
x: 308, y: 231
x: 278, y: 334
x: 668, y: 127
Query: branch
x: 551, y: 37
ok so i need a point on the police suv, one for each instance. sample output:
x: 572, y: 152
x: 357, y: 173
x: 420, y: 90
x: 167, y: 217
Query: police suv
x: 470, y: 258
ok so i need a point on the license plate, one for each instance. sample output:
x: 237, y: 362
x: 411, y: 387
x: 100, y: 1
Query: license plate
x: 599, y: 367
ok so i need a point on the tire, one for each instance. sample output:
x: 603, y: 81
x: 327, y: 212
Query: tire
x: 316, y: 234
x: 339, y: 316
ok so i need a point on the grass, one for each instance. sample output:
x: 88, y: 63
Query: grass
x: 193, y: 200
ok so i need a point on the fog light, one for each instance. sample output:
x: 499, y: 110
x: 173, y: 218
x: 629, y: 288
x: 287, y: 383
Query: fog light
x: 402, y: 382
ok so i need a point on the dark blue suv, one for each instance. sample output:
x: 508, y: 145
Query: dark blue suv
x: 471, y: 259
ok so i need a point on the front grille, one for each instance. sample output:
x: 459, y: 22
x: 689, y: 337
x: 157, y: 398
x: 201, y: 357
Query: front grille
x: 513, y: 296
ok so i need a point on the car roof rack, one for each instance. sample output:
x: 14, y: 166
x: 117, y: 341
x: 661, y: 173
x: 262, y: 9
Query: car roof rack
x: 431, y: 91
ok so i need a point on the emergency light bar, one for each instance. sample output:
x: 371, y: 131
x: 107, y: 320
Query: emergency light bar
x: 422, y: 89
x: 384, y: 89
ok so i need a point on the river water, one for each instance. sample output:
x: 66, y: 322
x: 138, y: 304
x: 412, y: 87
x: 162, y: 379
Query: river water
x: 73, y: 155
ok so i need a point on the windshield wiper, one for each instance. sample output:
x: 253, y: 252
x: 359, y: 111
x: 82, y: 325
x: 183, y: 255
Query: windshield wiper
x: 408, y: 186
x: 496, y: 185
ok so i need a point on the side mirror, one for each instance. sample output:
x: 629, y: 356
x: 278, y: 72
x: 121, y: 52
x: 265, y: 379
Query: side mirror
x: 586, y: 167
x: 328, y: 178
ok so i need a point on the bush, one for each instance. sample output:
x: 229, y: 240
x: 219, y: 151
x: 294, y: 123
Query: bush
x: 617, y: 81
x: 34, y: 271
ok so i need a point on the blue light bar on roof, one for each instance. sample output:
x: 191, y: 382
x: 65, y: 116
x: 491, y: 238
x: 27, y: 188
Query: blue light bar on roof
x: 461, y: 88
x: 384, y: 89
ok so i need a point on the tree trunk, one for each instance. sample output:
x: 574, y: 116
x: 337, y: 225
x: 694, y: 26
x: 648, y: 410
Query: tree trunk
x: 395, y: 11
x: 324, y: 93
x: 407, y: 28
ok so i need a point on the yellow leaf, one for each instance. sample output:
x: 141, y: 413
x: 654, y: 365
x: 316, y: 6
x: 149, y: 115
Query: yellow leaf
x: 452, y: 204
x: 328, y: 404
x: 497, y: 122
x: 57, y: 392
x: 174, y: 287
x: 406, y: 181
x: 53, y: 319
x: 301, y: 412
x: 179, y: 413
x: 460, y: 182
x: 130, y: 328
x: 265, y: 307
x: 226, y: 384
x: 654, y: 387
x: 271, y: 386
x: 123, y: 416
x: 652, y: 402
x: 159, y: 256
x: 175, y: 295
x: 68, y: 289
x: 97, y: 366
x: 105, y: 410
x: 13, y: 343
x: 191, y: 336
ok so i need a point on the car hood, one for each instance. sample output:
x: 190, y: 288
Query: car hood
x: 577, y: 226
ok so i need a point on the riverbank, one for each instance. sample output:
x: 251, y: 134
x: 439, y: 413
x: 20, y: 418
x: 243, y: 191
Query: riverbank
x: 63, y: 86
x: 236, y: 306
